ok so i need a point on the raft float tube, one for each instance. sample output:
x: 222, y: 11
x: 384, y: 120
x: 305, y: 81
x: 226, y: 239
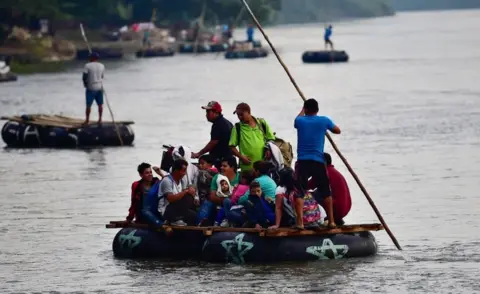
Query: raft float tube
x: 39, y: 130
x: 247, y: 54
x: 242, y: 245
x: 154, y: 52
x: 324, y: 56
x: 8, y: 77
x: 202, y: 48
x: 104, y: 53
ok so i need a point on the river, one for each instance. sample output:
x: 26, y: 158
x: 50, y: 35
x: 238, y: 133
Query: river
x: 408, y: 105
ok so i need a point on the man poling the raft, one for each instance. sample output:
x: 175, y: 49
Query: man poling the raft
x: 350, y: 169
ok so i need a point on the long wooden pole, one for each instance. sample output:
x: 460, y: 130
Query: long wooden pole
x: 103, y: 90
x: 350, y: 169
x: 200, y: 25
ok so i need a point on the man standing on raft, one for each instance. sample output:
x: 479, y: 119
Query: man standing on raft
x: 311, y: 131
x: 93, y: 82
x: 326, y: 37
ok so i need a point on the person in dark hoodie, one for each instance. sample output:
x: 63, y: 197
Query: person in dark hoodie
x: 140, y: 190
x: 260, y: 212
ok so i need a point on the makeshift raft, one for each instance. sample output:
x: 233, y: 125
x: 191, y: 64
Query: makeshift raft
x: 154, y: 52
x: 324, y: 56
x: 40, y: 130
x: 202, y: 48
x: 104, y: 53
x: 8, y: 77
x: 242, y: 245
x: 247, y: 54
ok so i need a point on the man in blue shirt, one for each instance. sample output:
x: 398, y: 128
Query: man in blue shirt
x: 311, y: 131
x: 326, y: 37
x: 250, y: 32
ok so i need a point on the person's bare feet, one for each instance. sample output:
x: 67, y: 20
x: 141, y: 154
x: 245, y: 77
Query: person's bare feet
x: 332, y: 225
x: 85, y: 123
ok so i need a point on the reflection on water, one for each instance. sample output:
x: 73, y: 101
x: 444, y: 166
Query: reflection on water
x: 406, y: 102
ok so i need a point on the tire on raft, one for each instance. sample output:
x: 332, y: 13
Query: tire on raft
x: 256, y: 43
x: 154, y: 53
x: 144, y: 243
x: 8, y: 77
x: 240, y: 248
x: 325, y: 56
x: 104, y: 53
x: 256, y: 53
x: 188, y: 48
x: 24, y: 135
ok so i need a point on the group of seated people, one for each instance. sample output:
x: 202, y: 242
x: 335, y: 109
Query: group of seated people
x: 201, y: 195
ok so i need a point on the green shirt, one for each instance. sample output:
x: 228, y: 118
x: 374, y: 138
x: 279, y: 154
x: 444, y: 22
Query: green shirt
x: 252, y: 141
x: 233, y: 183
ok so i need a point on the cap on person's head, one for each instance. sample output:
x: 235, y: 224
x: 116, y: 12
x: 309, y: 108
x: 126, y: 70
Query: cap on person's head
x: 242, y: 107
x: 94, y: 55
x: 213, y: 105
x: 311, y: 105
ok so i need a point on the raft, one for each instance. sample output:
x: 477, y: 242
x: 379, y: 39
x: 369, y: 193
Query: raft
x: 9, y: 77
x: 104, y: 53
x: 202, y: 48
x: 56, y: 131
x: 324, y: 56
x: 256, y: 43
x: 250, y: 54
x: 154, y: 52
x: 242, y: 245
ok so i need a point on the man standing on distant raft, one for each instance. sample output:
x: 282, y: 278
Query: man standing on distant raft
x: 93, y: 82
x: 311, y: 131
x: 327, y: 36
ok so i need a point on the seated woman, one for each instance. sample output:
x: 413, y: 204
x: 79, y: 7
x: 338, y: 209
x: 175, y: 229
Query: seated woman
x: 287, y: 197
x: 260, y: 212
x: 228, y: 169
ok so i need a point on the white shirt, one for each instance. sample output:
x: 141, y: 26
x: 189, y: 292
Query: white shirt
x: 94, y: 71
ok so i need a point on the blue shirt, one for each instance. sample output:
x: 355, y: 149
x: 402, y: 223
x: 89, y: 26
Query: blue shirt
x: 250, y: 33
x: 311, y: 131
x: 268, y: 189
x: 328, y: 33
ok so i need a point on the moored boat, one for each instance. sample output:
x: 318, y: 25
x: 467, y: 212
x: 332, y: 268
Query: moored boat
x: 155, y: 52
x: 243, y: 245
x: 324, y: 56
x: 246, y: 54
x: 29, y: 131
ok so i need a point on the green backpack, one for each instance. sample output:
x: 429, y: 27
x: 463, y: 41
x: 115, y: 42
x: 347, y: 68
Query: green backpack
x: 284, y: 146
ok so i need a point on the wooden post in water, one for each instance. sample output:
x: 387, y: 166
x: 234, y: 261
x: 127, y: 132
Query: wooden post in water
x: 350, y: 169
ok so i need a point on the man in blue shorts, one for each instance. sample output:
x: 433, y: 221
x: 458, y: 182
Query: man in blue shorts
x: 311, y: 131
x: 326, y: 37
x: 93, y: 82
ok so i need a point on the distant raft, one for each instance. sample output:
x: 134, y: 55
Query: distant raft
x: 154, y: 52
x: 202, y: 48
x: 8, y: 77
x: 29, y: 131
x: 243, y: 245
x: 104, y: 53
x: 324, y: 56
x: 247, y: 54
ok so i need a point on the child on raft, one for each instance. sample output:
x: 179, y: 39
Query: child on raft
x: 205, y: 175
x: 236, y: 214
x: 224, y: 191
x: 260, y: 212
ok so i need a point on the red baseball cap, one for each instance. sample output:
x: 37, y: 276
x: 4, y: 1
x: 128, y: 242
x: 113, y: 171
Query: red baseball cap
x: 213, y: 105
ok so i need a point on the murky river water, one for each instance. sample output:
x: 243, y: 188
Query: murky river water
x: 408, y: 104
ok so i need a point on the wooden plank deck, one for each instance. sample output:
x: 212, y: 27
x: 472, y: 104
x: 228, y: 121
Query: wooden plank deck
x: 281, y: 232
x: 57, y: 121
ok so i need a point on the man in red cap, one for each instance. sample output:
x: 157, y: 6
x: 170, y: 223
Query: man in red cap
x: 219, y: 136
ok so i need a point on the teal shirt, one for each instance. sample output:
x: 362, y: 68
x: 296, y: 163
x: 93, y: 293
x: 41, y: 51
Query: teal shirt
x: 268, y: 187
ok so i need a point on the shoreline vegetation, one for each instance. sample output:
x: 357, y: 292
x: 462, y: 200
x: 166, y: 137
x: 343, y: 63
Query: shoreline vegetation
x: 42, y: 36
